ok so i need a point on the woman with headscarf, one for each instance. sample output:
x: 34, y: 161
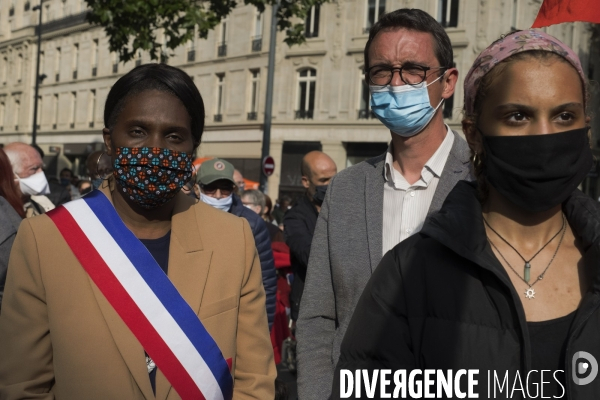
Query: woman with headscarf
x: 505, y: 279
x: 136, y: 291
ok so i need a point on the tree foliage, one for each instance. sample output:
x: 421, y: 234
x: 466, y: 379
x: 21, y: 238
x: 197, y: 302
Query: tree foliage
x: 134, y: 25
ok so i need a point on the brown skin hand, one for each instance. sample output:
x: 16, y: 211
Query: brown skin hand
x: 396, y: 47
x: 322, y: 169
x: 530, y: 98
x: 149, y: 119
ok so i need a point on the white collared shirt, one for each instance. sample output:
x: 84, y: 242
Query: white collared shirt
x: 405, y: 206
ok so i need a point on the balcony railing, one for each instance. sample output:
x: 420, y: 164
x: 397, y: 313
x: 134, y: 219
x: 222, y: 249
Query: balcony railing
x: 366, y: 114
x: 191, y: 55
x: 252, y: 116
x: 218, y: 118
x: 94, y: 71
x: 66, y: 22
x: 256, y: 44
x: 74, y: 74
x: 304, y: 114
x: 222, y: 50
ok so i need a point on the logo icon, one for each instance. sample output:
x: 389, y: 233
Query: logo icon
x: 219, y: 166
x: 584, y: 363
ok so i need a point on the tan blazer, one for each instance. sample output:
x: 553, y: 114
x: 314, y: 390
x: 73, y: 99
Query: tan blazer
x: 61, y: 339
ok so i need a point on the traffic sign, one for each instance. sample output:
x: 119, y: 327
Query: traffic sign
x: 268, y: 165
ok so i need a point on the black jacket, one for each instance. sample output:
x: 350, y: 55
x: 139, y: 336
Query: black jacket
x: 442, y: 300
x: 265, y: 253
x: 299, y: 224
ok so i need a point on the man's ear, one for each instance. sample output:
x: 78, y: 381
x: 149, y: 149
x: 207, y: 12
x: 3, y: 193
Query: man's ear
x: 107, y: 141
x: 450, y: 78
x: 305, y: 182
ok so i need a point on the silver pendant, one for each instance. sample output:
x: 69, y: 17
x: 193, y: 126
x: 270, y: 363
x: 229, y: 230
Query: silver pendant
x: 530, y: 293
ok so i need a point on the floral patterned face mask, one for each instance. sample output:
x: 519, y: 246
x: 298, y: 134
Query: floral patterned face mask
x: 151, y: 176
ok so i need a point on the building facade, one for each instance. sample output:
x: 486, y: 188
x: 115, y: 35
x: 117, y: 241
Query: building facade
x: 320, y: 98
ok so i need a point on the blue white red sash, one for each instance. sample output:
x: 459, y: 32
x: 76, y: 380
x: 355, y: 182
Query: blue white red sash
x: 144, y: 297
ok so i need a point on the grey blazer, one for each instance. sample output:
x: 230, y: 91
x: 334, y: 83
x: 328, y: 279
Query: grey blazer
x: 9, y: 224
x: 346, y: 248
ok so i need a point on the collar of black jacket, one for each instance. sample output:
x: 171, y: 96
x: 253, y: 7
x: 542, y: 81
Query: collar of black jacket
x: 459, y: 224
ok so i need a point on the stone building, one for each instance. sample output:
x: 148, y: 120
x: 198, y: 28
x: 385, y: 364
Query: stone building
x: 320, y: 98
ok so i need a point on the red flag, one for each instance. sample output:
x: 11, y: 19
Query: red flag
x: 557, y: 11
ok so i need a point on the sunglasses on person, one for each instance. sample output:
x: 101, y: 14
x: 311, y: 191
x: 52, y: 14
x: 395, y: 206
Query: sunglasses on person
x: 225, y: 188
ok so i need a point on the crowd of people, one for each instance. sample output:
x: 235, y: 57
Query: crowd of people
x: 155, y: 279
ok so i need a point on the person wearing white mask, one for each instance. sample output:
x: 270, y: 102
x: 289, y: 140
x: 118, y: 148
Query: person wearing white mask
x: 374, y: 205
x: 217, y: 187
x: 27, y: 166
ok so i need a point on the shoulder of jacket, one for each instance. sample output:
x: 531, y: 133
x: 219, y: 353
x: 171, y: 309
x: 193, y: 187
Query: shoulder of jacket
x: 211, y: 215
x: 360, y: 170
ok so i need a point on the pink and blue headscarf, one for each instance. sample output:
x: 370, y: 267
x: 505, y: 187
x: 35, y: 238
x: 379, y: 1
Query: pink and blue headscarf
x: 509, y: 45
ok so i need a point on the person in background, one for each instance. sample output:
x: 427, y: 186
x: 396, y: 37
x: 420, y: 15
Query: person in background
x: 240, y: 185
x: 67, y: 180
x: 215, y: 179
x: 284, y: 203
x: 99, y: 167
x: 506, y: 277
x: 268, y: 212
x: 58, y: 194
x: 11, y: 214
x: 317, y: 170
x: 373, y: 205
x: 256, y: 201
x: 27, y: 167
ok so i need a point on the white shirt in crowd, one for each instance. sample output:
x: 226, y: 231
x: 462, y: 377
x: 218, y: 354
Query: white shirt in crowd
x: 405, y: 206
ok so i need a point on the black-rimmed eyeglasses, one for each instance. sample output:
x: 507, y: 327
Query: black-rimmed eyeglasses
x: 411, y: 74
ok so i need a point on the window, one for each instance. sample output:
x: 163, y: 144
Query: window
x: 73, y: 109
x: 220, y: 95
x: 54, y: 111
x: 42, y: 63
x: 91, y: 108
x: 39, y: 112
x: 375, y: 9
x: 75, y: 60
x: 16, y: 112
x: 27, y: 6
x: 311, y: 25
x: 19, y: 67
x: 254, y: 93
x: 191, y: 49
x: 2, y: 113
x: 364, y: 109
x: 94, y: 57
x: 115, y: 62
x: 4, y: 70
x: 138, y: 60
x: 307, y: 83
x: 448, y: 13
x: 57, y: 64
x: 258, y: 28
x: 11, y: 10
x: 46, y: 14
x: 222, y: 46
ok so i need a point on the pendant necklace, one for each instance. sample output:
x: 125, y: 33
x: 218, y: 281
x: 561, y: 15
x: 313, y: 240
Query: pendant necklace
x: 529, y: 293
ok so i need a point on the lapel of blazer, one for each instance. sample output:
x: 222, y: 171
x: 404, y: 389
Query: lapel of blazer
x: 373, y: 201
x: 457, y: 167
x: 189, y: 264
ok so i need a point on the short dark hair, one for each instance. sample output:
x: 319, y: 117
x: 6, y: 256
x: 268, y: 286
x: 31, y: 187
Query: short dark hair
x: 161, y: 77
x: 415, y: 20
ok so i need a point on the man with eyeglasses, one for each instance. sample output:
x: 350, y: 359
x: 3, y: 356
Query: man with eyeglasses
x: 374, y: 205
x: 215, y: 179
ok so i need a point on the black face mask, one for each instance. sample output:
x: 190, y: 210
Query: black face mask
x: 537, y: 172
x: 319, y: 195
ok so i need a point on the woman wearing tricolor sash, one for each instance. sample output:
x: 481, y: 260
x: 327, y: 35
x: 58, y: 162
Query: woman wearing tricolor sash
x: 137, y: 291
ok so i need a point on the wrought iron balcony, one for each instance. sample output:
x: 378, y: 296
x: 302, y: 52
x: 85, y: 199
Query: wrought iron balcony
x: 218, y: 118
x: 304, y: 114
x: 366, y: 114
x: 256, y: 44
x: 222, y: 50
x: 191, y: 55
x: 252, y: 116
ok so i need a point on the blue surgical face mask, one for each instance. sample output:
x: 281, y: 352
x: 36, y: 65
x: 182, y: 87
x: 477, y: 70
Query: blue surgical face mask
x: 404, y: 110
x: 222, y: 204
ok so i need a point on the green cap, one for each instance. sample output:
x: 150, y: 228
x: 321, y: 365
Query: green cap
x: 213, y: 170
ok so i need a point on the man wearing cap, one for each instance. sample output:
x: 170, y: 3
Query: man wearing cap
x: 215, y: 179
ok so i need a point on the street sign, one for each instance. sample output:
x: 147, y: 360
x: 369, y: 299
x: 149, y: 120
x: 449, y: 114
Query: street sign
x: 268, y: 165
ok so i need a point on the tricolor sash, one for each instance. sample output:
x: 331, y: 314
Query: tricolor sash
x: 144, y: 297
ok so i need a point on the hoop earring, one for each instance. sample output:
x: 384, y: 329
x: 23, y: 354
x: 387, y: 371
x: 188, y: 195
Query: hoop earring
x: 98, y: 166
